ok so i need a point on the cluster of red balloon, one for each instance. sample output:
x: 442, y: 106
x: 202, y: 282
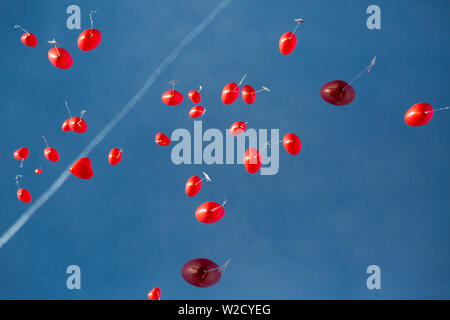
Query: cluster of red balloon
x: 196, y: 111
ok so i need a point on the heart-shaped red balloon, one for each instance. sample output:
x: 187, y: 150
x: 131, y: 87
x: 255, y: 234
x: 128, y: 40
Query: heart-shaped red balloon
x: 193, y: 186
x: 154, y: 294
x: 209, y: 212
x: 161, y: 139
x: 248, y: 94
x: 21, y: 154
x: 60, y: 58
x: 29, y: 39
x: 24, y: 195
x: 288, y: 42
x: 195, y: 96
x: 252, y: 160
x: 51, y: 154
x: 419, y: 114
x: 230, y: 93
x: 82, y: 168
x: 89, y: 39
x: 65, y: 126
x: 172, y: 97
x: 115, y: 156
x: 238, y: 127
x: 77, y: 124
x: 196, y: 111
x: 338, y: 92
x: 292, y: 143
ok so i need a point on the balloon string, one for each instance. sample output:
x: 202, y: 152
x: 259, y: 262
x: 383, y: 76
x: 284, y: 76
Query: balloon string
x: 263, y: 89
x: 20, y: 27
x: 17, y: 180
x: 81, y: 117
x: 90, y: 18
x: 200, y: 88
x: 368, y: 68
x: 439, y: 109
x: 120, y: 152
x: 221, y: 268
x: 242, y: 80
x: 21, y: 163
x: 45, y: 140
x: 221, y: 206
x: 68, y: 109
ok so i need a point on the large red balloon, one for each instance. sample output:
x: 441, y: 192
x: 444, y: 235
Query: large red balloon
x: 292, y: 143
x: 287, y: 43
x: 201, y: 272
x: 195, y: 96
x: 82, y: 168
x: 333, y: 92
x: 89, y: 39
x: 248, y: 94
x: 29, y: 39
x: 21, y: 154
x: 24, y: 195
x: 196, y: 111
x: 238, y: 127
x: 230, y: 93
x: 161, y: 139
x: 209, y: 212
x: 65, y: 126
x: 51, y: 154
x: 172, y: 97
x: 154, y: 294
x: 193, y: 186
x: 252, y: 160
x: 419, y: 114
x: 60, y: 58
x: 115, y: 156
x: 77, y: 124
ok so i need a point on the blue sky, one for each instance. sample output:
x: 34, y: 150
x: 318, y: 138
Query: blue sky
x: 365, y: 189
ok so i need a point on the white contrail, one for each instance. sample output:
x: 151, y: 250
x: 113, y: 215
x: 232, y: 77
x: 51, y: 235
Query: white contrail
x: 102, y: 134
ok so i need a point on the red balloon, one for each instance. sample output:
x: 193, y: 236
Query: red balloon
x: 154, y: 294
x: 209, y: 212
x: 195, y: 96
x: 82, y: 168
x: 60, y: 58
x: 193, y: 186
x: 230, y: 93
x: 248, y: 94
x: 29, y: 39
x: 51, y: 154
x: 419, y: 114
x: 196, y: 111
x: 21, y: 154
x: 38, y: 171
x: 77, y: 124
x: 89, y: 39
x: 161, y: 139
x: 172, y: 97
x: 201, y: 272
x: 24, y: 195
x: 252, y: 160
x: 287, y: 43
x: 238, y: 127
x: 115, y: 156
x: 292, y: 143
x: 333, y: 92
x: 65, y: 126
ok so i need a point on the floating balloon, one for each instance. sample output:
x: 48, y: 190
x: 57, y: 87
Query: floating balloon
x: 238, y: 127
x: 195, y: 96
x: 77, y: 124
x: 89, y: 39
x: 209, y: 212
x: 288, y: 42
x: 24, y: 195
x: 252, y: 160
x: 154, y: 294
x: 65, y: 126
x: 115, y: 156
x: 292, y: 143
x: 51, y: 154
x: 194, y: 184
x: 172, y: 97
x: 419, y: 114
x: 38, y: 171
x: 59, y: 57
x: 27, y: 38
x: 248, y: 94
x: 338, y: 92
x: 82, y: 168
x: 161, y: 139
x: 201, y: 272
x: 21, y: 154
x: 196, y: 112
x: 230, y: 93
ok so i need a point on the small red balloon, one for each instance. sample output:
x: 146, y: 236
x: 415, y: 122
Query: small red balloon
x: 193, y: 186
x: 419, y: 114
x: 24, y: 195
x: 292, y: 143
x: 230, y: 93
x: 154, y: 294
x: 77, y: 124
x: 115, y: 156
x: 201, y: 272
x: 209, y: 212
x: 172, y: 97
x: 38, y: 171
x: 252, y: 160
x: 89, y: 39
x: 333, y: 92
x: 238, y: 127
x: 21, y: 154
x: 60, y: 58
x: 29, y: 39
x: 248, y: 94
x: 196, y: 111
x: 82, y: 168
x: 51, y: 154
x: 65, y: 126
x: 195, y: 96
x: 288, y: 42
x: 161, y: 139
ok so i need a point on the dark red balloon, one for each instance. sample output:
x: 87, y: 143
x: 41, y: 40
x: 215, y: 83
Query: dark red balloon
x: 24, y: 195
x: 29, y: 39
x: 248, y: 94
x: 60, y: 58
x: 292, y: 143
x: 115, y: 156
x: 65, y: 126
x: 77, y: 124
x: 201, y: 272
x: 38, y: 171
x: 21, y: 154
x: 333, y: 92
x: 89, y: 39
x: 288, y: 42
x: 196, y: 111
x: 154, y: 294
x: 51, y: 154
x: 419, y: 114
x: 238, y: 127
x: 195, y: 96
x: 161, y: 139
x: 252, y: 160
x: 82, y: 169
x: 209, y: 212
x: 193, y: 186
x: 230, y: 93
x: 172, y: 97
